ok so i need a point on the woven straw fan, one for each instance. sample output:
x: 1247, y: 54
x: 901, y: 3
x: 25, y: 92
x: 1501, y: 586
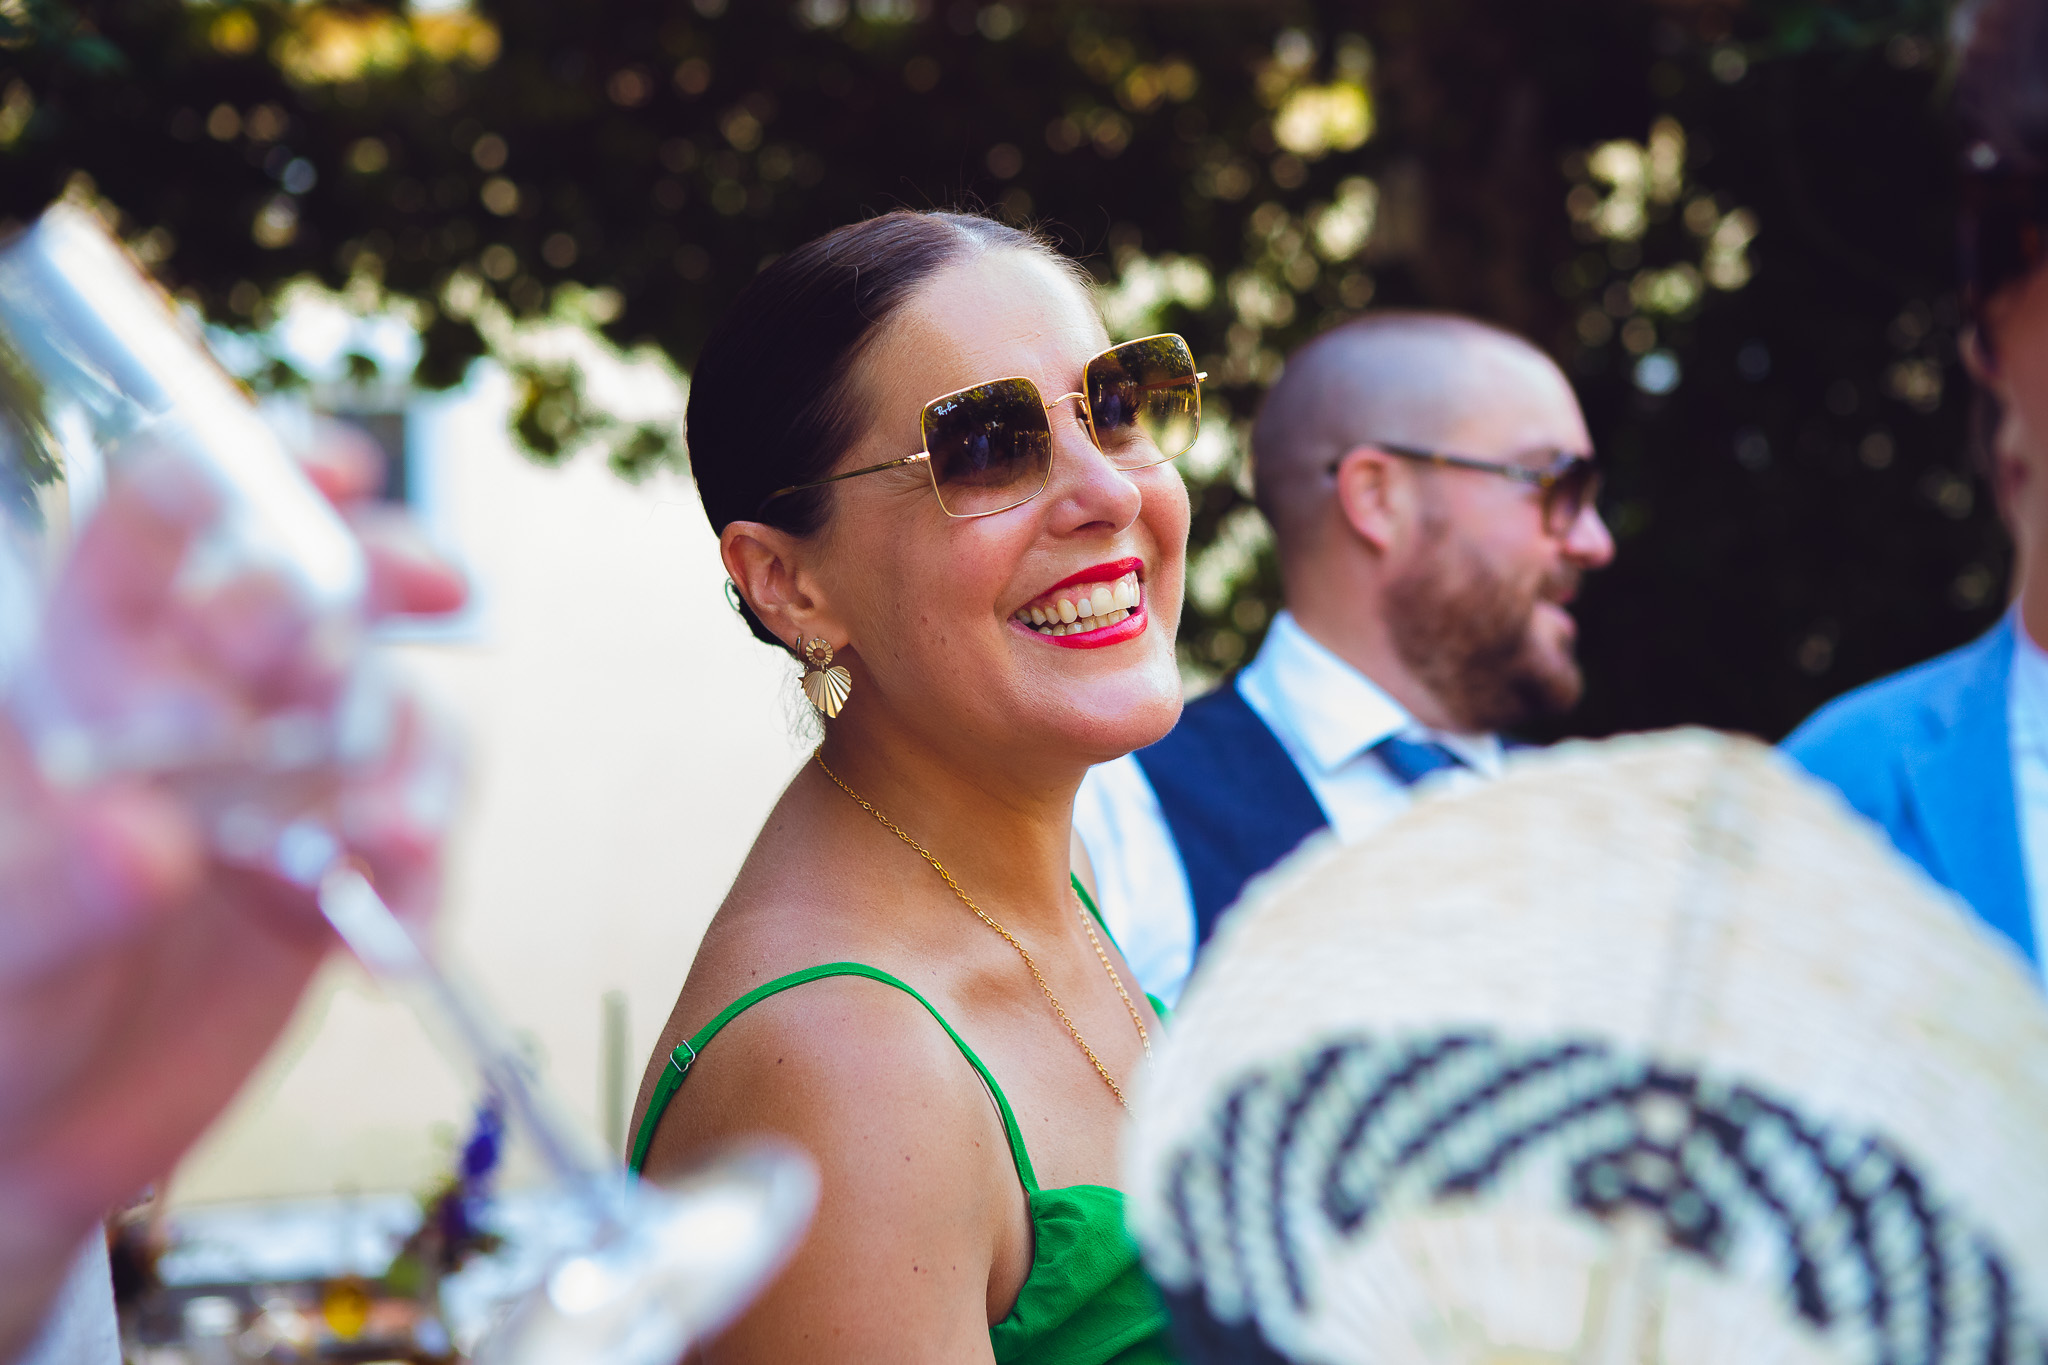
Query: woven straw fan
x: 1649, y: 1052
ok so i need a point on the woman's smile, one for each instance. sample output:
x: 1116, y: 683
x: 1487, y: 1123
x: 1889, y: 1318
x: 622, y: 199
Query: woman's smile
x: 824, y: 370
x: 1101, y: 605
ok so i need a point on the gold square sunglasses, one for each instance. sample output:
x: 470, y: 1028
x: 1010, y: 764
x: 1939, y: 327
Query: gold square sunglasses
x: 988, y: 448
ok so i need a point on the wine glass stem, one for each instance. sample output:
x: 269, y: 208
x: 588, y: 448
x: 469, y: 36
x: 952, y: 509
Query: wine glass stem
x: 386, y: 947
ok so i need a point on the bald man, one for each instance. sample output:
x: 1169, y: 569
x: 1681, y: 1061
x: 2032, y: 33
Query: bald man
x: 1429, y: 481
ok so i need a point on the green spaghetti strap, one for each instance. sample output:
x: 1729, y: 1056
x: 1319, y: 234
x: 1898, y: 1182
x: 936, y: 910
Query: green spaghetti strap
x: 685, y: 1056
x: 1089, y: 901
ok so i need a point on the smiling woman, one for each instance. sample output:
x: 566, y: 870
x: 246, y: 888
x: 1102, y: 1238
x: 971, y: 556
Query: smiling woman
x: 908, y: 976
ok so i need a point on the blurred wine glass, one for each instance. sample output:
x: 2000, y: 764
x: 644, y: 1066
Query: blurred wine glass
x: 222, y: 650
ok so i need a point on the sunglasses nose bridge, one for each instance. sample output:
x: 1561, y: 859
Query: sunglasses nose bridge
x: 1082, y: 410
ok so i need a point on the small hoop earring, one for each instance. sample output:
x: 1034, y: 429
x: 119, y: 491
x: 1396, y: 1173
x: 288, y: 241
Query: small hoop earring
x: 826, y: 684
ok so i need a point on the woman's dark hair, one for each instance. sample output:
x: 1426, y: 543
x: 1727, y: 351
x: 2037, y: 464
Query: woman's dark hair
x: 772, y: 401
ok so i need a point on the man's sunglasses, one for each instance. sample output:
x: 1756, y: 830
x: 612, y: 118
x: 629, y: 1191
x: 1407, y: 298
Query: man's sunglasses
x: 989, y: 448
x: 1569, y: 483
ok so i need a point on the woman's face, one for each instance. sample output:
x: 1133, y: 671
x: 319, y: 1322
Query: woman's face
x: 936, y: 609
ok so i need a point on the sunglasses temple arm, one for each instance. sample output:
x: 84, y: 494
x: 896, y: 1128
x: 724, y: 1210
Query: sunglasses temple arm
x: 918, y: 458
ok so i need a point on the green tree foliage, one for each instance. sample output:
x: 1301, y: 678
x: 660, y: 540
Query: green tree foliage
x: 1731, y: 223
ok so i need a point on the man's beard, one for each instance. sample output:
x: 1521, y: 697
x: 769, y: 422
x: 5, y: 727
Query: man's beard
x: 1467, y: 632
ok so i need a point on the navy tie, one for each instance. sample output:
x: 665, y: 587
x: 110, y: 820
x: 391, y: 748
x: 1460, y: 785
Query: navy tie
x: 1412, y: 760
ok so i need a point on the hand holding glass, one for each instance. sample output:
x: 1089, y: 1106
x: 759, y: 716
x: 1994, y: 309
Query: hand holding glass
x: 226, y: 659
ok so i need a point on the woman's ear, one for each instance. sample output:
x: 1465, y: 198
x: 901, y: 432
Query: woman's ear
x: 768, y: 567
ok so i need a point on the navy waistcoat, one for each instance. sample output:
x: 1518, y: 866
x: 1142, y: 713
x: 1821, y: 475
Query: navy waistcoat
x: 1232, y: 799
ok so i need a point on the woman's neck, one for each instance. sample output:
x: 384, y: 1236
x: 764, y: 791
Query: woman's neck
x: 1003, y: 834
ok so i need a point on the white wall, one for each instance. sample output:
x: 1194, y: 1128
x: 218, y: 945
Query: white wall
x: 628, y: 736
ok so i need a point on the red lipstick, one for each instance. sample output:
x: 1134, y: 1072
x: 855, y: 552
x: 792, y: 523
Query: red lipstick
x: 1100, y: 573
x: 1129, y: 622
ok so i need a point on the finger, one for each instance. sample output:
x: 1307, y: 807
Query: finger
x: 344, y: 462
x: 111, y: 863
x: 133, y: 854
x: 101, y: 626
x: 408, y: 576
x: 396, y: 816
x: 251, y: 629
x: 128, y: 553
x: 208, y: 654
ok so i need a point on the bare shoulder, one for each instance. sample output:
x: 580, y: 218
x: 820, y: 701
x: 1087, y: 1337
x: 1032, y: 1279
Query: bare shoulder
x: 747, y: 946
x: 839, y: 1057
x: 918, y: 1196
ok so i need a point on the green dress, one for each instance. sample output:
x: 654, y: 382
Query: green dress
x: 1086, y: 1300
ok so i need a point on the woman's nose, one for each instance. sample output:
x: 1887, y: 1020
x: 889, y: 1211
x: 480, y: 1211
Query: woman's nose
x: 1083, y: 477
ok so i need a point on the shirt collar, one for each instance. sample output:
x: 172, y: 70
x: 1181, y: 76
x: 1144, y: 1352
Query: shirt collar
x: 1329, y: 713
x: 2029, y: 688
x: 1327, y: 710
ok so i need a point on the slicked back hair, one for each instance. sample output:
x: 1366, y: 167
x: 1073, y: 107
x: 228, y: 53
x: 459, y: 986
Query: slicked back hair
x: 772, y: 401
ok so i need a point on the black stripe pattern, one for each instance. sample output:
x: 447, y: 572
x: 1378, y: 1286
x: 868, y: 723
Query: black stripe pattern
x: 1327, y: 1148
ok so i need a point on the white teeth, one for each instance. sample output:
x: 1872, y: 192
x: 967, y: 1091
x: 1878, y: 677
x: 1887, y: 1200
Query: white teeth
x: 1099, y: 606
x: 1083, y: 625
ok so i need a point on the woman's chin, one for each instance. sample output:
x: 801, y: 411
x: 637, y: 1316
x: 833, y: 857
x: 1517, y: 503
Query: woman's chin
x: 1085, y: 706
x: 1106, y: 723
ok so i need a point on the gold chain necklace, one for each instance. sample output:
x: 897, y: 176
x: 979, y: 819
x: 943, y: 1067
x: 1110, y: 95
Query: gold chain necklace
x: 1144, y: 1038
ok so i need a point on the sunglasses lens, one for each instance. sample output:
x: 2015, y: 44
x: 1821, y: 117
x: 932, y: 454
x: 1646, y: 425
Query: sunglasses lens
x: 1145, y: 401
x: 1575, y: 488
x: 991, y: 446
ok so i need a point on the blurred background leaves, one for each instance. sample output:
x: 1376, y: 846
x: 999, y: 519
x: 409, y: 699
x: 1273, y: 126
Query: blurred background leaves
x: 1731, y: 222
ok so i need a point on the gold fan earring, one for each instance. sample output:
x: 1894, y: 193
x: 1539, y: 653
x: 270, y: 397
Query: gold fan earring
x: 826, y: 684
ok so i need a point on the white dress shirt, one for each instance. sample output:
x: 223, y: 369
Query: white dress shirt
x: 81, y: 1328
x: 2027, y: 721
x: 1327, y: 716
